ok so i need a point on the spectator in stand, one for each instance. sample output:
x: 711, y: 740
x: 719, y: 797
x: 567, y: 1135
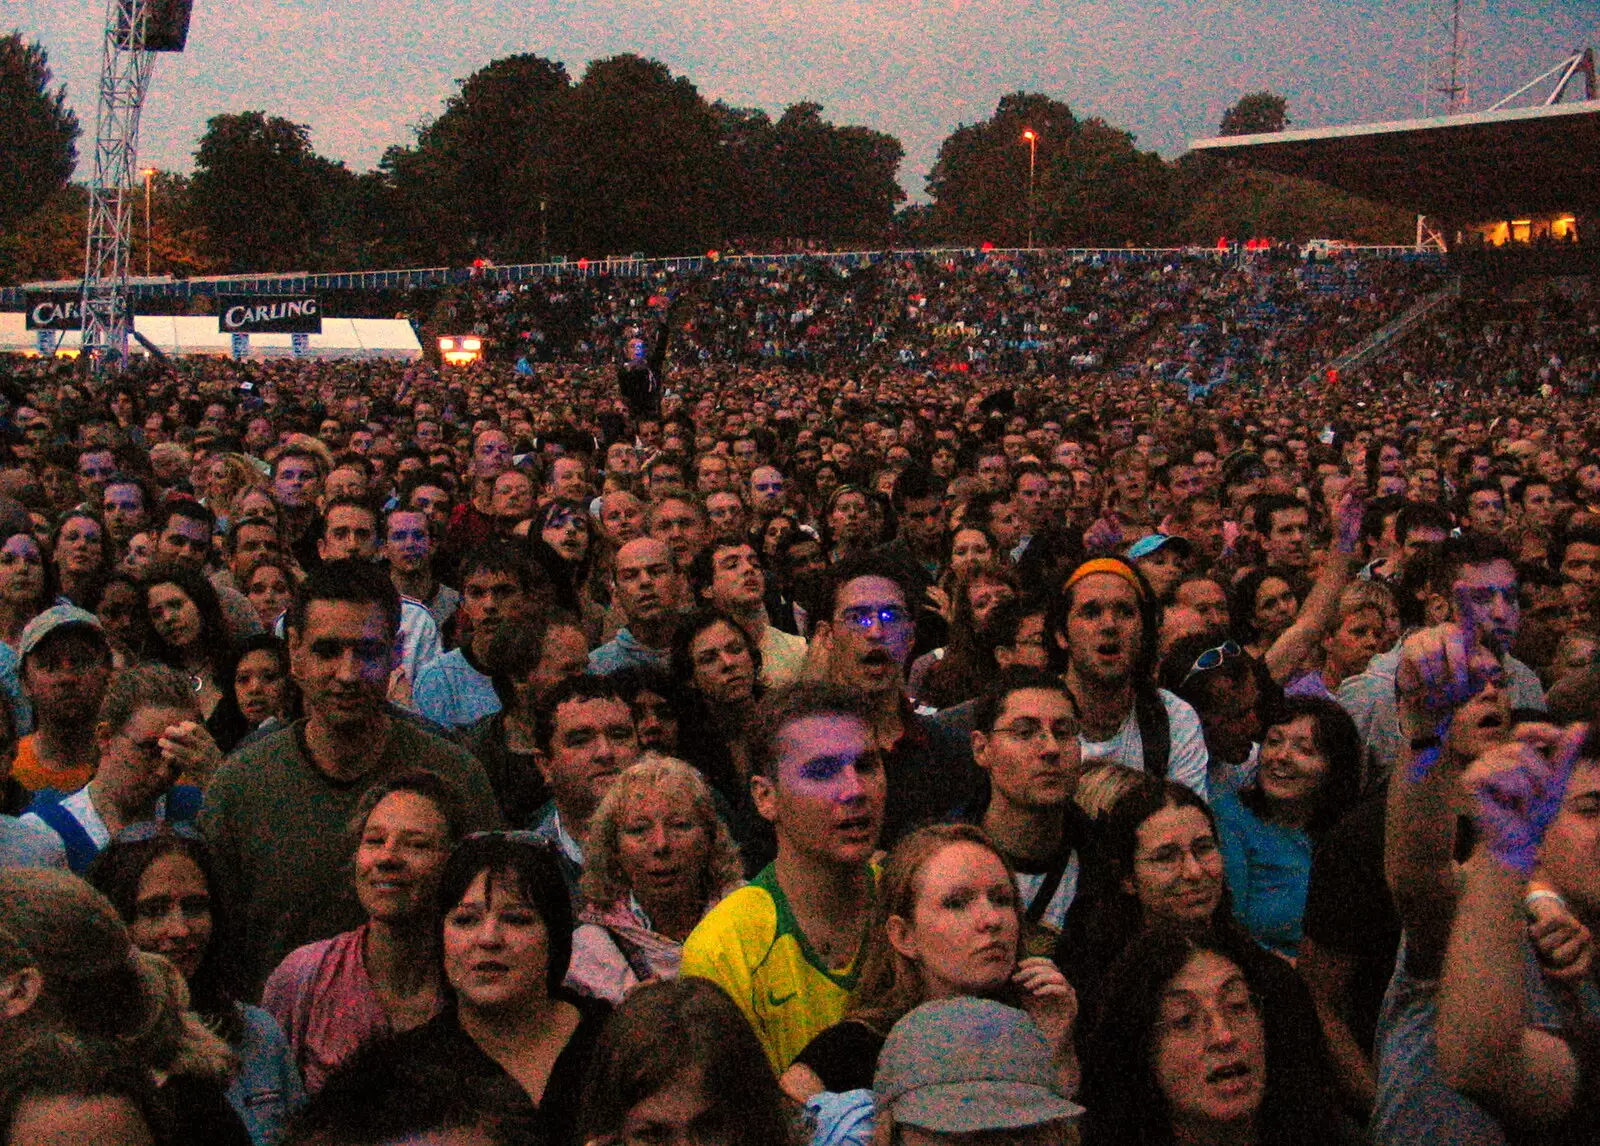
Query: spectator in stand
x: 336, y: 996
x: 290, y: 793
x: 66, y: 665
x: 657, y: 859
x: 497, y: 586
x: 786, y: 948
x: 158, y: 877
x: 1101, y: 633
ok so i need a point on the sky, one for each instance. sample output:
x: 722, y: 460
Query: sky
x: 364, y: 74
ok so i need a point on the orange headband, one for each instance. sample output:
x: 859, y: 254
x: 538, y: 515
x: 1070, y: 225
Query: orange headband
x: 1111, y: 565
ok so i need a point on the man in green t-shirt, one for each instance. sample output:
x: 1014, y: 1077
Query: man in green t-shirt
x: 277, y: 812
x: 787, y: 947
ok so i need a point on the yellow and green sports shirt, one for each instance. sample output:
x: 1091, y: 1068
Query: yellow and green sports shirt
x: 751, y: 947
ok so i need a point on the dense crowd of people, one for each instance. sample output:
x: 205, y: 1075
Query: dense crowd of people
x: 955, y: 701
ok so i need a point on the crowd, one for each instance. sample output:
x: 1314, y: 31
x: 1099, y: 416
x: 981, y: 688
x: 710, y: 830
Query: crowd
x: 911, y: 748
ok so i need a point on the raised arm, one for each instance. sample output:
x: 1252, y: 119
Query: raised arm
x: 1321, y: 605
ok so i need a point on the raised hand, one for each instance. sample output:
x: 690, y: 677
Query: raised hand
x: 1517, y: 789
x: 1048, y: 998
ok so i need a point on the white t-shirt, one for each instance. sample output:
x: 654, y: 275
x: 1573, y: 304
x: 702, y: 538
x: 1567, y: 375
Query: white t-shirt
x: 80, y: 808
x: 1188, y: 761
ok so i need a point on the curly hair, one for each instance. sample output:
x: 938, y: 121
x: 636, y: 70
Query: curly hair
x: 603, y: 879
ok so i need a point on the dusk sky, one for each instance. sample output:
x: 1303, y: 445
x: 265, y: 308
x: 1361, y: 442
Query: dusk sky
x: 364, y: 73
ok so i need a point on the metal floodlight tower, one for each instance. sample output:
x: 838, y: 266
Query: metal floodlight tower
x: 1445, y: 82
x: 125, y: 66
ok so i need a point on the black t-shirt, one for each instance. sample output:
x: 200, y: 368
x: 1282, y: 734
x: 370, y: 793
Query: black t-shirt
x: 1349, y: 910
x: 845, y: 1056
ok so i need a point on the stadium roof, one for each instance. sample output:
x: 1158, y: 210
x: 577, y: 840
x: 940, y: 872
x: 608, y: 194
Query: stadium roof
x: 1479, y: 166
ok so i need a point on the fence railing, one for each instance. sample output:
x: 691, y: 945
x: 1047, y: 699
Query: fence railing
x: 628, y: 266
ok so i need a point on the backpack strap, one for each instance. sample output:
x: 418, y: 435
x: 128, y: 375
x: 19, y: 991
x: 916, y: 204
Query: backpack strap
x: 1154, y: 732
x: 80, y: 849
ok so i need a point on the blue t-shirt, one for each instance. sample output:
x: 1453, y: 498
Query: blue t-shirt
x: 1269, y: 870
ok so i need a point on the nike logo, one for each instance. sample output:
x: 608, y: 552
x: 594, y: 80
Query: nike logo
x: 774, y: 1001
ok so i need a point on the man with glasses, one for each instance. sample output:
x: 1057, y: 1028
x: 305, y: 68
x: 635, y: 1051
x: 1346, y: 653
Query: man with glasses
x: 865, y: 639
x: 277, y: 811
x: 1025, y: 740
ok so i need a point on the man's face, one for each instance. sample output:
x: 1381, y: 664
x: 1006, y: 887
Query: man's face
x: 737, y: 581
x: 491, y: 454
x: 1486, y: 597
x: 345, y: 481
x: 408, y: 544
x: 349, y: 531
x: 1033, y: 501
x: 490, y: 599
x: 766, y: 488
x: 1423, y: 484
x: 725, y: 514
x: 1103, y: 628
x: 1486, y: 512
x: 250, y: 542
x: 1207, y: 599
x: 435, y: 502
x: 591, y: 743
x: 650, y: 587
x: 94, y: 467
x: 1185, y: 482
x: 512, y: 499
x: 711, y: 474
x: 65, y: 677
x: 568, y: 480
x: 622, y: 518
x: 993, y: 473
x: 184, y: 541
x: 1032, y: 754
x: 297, y: 483
x: 869, y: 635
x: 828, y: 798
x: 1418, y: 540
x: 1581, y: 563
x: 123, y: 507
x: 342, y: 660
x: 1570, y: 855
x: 680, y: 525
x: 1361, y: 635
x: 1288, y: 539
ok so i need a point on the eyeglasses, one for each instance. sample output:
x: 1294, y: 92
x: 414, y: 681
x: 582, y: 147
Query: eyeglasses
x: 1211, y: 659
x: 1189, y: 1016
x: 864, y: 617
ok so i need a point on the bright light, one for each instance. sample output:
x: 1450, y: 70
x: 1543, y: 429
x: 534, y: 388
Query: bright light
x: 471, y: 344
x: 1522, y: 222
x: 1029, y: 135
x: 447, y: 344
x: 148, y: 172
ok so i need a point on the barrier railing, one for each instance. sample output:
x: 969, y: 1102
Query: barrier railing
x: 620, y: 266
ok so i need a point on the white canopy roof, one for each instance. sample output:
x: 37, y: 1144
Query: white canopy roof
x: 182, y: 334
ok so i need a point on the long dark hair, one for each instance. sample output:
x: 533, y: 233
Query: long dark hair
x: 1242, y: 605
x: 214, y: 635
x: 667, y: 1028
x: 116, y: 872
x: 1124, y: 1099
x: 227, y: 723
x: 1337, y: 740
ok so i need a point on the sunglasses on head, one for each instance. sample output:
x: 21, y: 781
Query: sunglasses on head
x: 1212, y: 659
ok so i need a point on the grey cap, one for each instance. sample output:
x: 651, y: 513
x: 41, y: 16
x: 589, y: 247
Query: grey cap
x: 957, y: 1066
x: 53, y: 618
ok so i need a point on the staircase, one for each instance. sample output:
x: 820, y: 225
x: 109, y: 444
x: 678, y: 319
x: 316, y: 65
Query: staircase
x: 1371, y: 346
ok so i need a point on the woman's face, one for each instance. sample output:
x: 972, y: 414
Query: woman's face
x: 1177, y: 868
x: 778, y: 531
x: 850, y: 517
x: 21, y: 570
x: 963, y: 931
x: 985, y: 597
x: 172, y: 912
x: 656, y: 722
x: 219, y: 483
x: 175, y: 618
x: 969, y: 549
x: 1209, y: 1053
x: 79, y: 548
x: 403, y: 848
x: 1275, y: 606
x: 119, y: 612
x: 565, y: 533
x: 663, y: 848
x: 261, y: 686
x: 268, y: 591
x: 1293, y: 769
x: 686, y: 1109
x: 496, y: 946
x: 723, y: 668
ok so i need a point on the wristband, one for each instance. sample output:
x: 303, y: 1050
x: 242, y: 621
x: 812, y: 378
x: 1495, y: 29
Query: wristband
x: 1539, y: 893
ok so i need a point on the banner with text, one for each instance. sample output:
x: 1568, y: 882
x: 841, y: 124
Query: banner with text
x: 54, y: 310
x: 268, y: 314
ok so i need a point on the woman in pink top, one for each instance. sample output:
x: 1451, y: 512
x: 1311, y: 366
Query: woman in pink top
x: 335, y: 996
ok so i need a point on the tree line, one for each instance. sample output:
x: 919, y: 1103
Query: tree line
x: 524, y: 163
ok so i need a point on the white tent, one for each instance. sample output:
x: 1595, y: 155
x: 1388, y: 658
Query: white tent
x: 181, y: 334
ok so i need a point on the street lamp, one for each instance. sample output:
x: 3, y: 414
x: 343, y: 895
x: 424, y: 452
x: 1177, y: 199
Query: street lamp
x: 1033, y: 145
x: 149, y: 174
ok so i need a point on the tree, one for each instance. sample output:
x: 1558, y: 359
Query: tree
x: 264, y: 197
x: 38, y: 132
x: 979, y: 182
x: 1254, y: 114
